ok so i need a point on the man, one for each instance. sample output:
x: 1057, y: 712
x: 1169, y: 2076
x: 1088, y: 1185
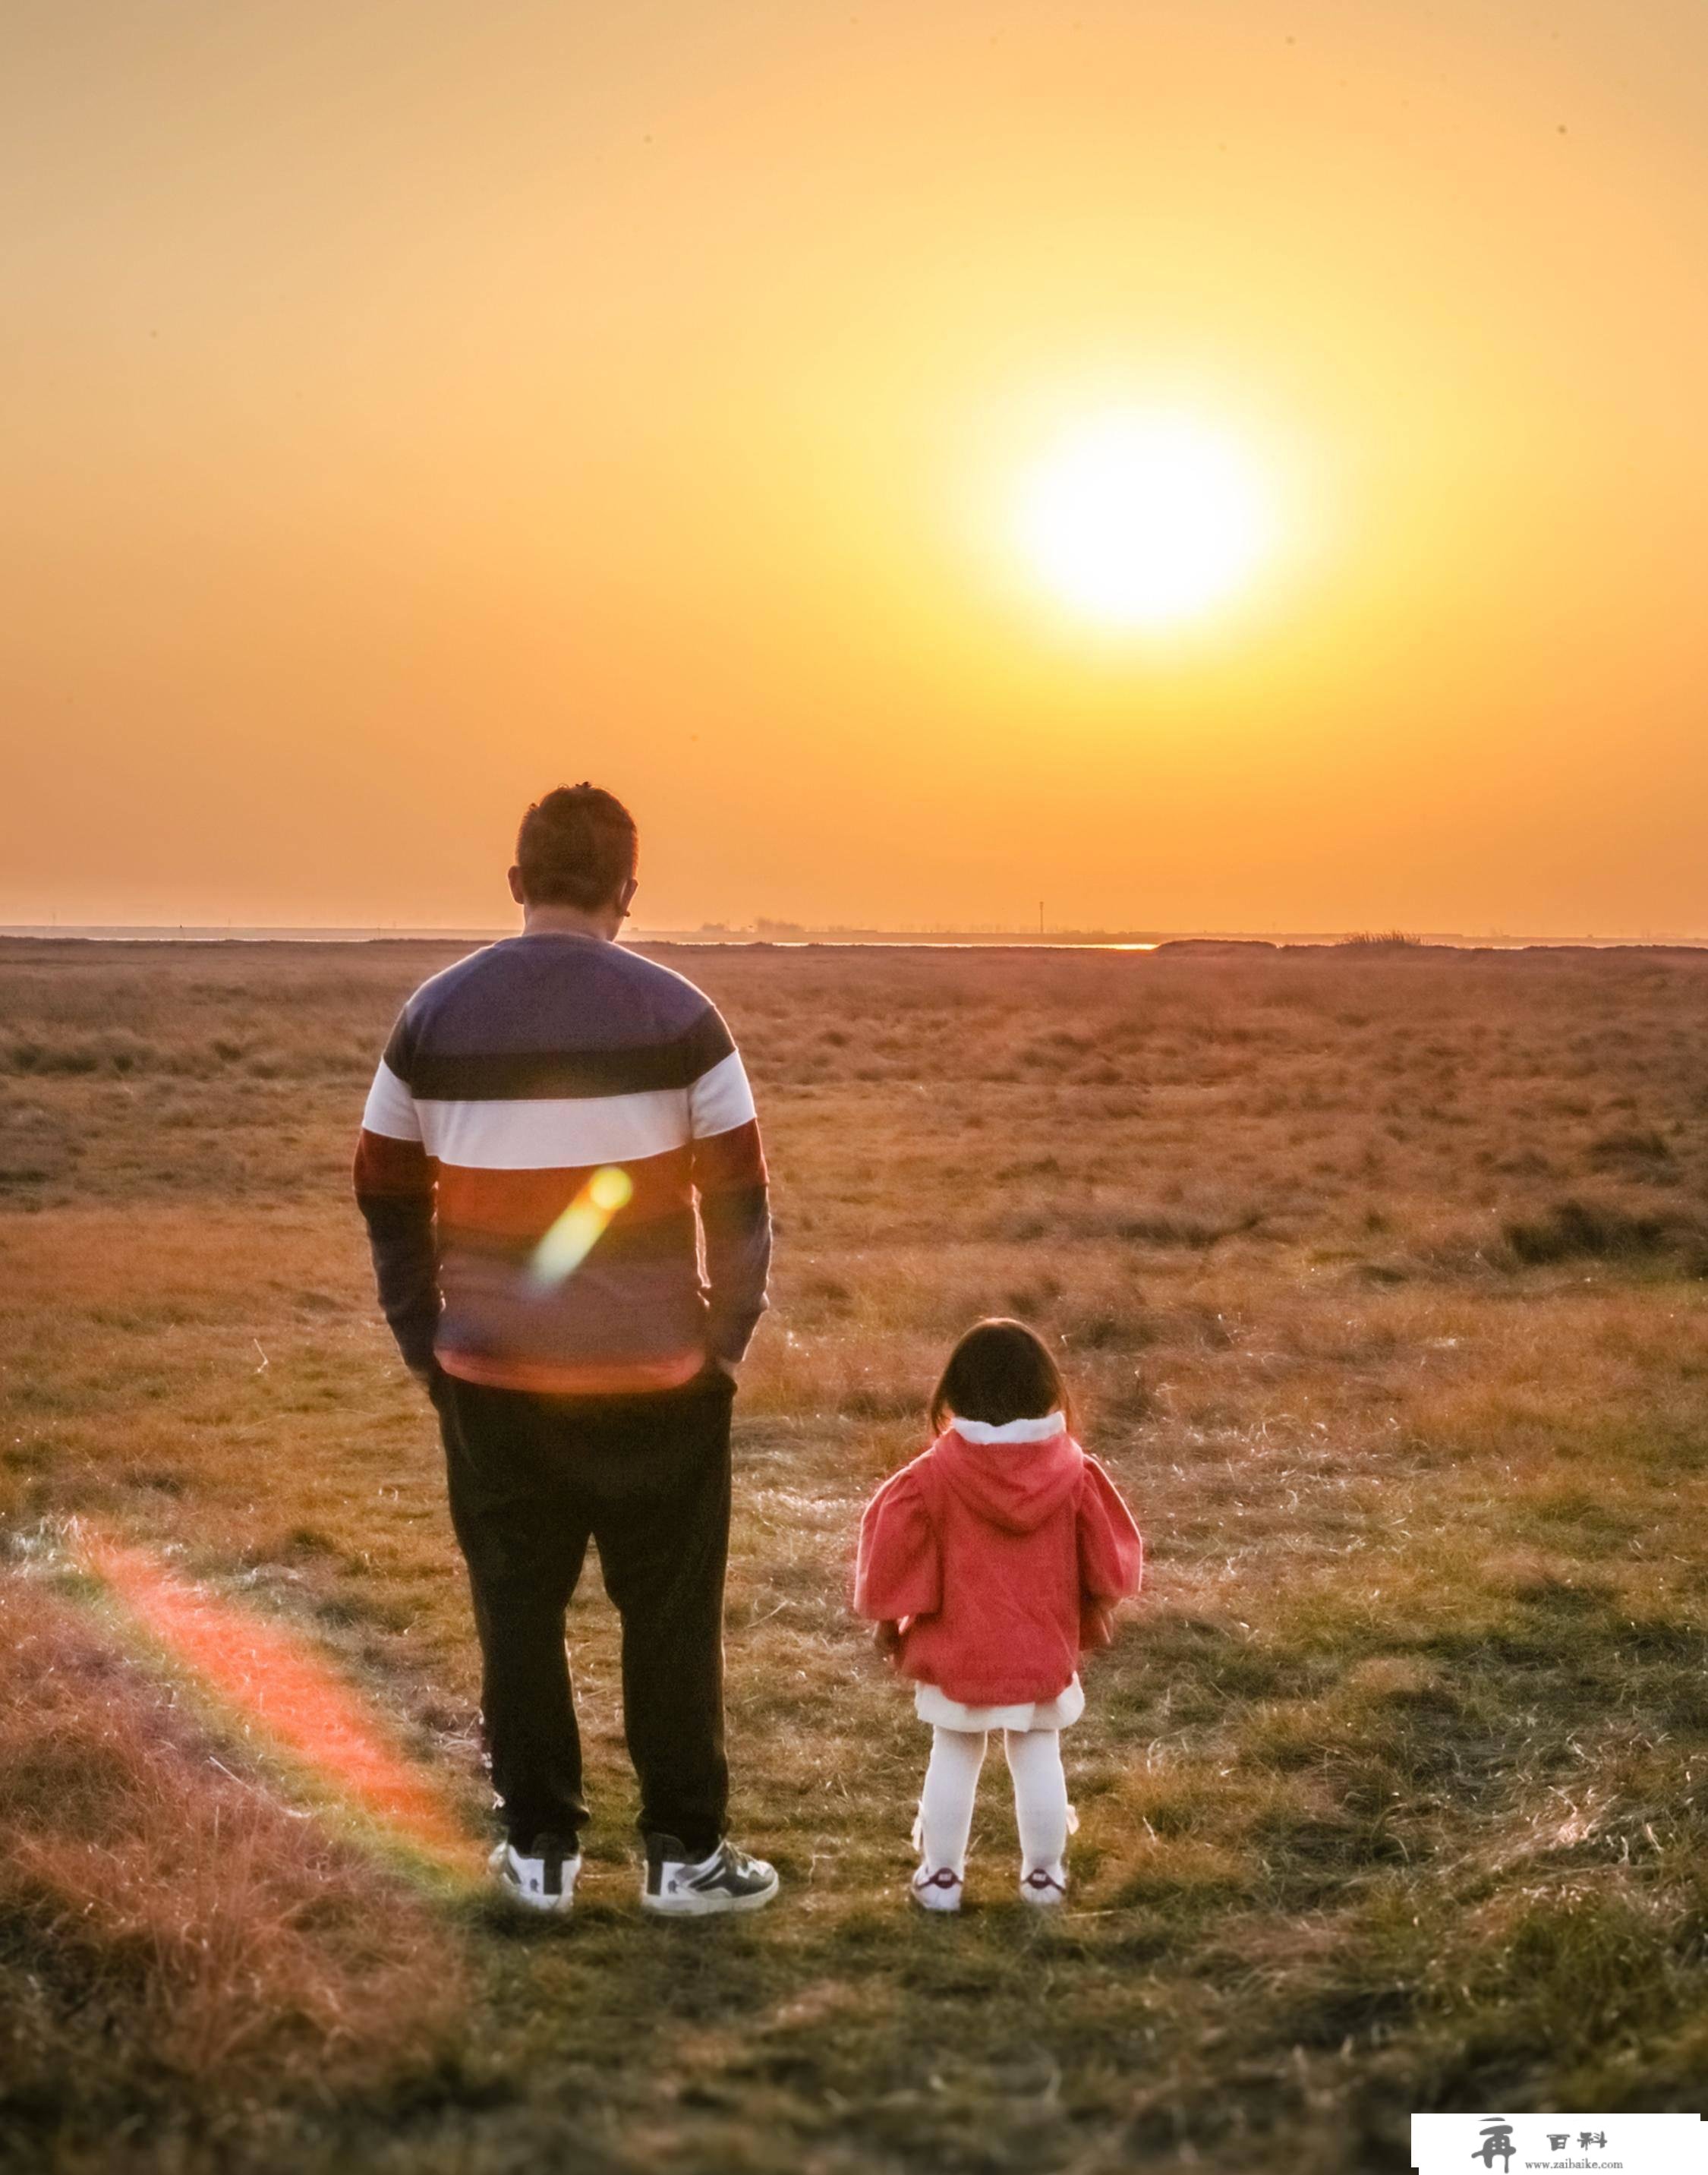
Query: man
x: 546, y: 1116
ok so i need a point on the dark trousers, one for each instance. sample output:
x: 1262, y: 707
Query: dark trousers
x: 531, y: 1480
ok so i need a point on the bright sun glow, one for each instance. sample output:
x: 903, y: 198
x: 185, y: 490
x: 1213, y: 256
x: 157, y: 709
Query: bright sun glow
x: 1143, y: 519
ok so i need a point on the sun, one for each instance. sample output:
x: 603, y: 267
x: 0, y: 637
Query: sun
x: 1143, y: 519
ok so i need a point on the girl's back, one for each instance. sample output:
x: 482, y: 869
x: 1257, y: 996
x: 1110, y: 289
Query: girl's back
x: 989, y: 1563
x: 990, y: 1545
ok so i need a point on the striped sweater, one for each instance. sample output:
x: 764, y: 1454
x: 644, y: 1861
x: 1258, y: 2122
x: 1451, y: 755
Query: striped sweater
x: 548, y: 1118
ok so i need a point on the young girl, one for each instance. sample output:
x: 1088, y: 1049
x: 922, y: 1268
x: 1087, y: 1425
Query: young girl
x: 989, y: 1563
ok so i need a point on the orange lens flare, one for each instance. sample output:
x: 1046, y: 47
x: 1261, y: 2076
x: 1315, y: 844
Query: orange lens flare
x: 270, y: 1679
x: 580, y: 1228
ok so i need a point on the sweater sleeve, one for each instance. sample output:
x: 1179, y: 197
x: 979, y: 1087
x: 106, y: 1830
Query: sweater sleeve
x: 899, y: 1571
x: 729, y: 1180
x: 395, y: 1192
x: 1111, y: 1553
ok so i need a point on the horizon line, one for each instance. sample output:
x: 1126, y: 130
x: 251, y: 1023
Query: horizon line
x: 785, y: 934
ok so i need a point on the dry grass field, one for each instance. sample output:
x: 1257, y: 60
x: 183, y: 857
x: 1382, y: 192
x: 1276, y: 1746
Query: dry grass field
x: 1381, y: 1277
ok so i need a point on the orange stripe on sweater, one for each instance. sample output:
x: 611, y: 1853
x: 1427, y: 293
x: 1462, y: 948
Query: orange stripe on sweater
x: 385, y: 1166
x: 730, y: 1162
x: 522, y: 1204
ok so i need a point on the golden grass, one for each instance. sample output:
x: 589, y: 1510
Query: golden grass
x: 171, y: 1929
x: 1379, y: 1275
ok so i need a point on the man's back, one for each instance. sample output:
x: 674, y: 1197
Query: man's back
x: 559, y: 1136
x: 511, y: 1083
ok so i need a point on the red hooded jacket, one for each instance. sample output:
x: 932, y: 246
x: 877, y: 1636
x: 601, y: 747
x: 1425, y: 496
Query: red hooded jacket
x: 999, y: 1560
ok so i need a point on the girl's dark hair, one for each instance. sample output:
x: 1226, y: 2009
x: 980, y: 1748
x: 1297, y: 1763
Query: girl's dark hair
x: 1000, y: 1371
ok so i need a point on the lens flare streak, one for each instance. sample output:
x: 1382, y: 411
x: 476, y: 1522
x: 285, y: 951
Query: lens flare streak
x: 270, y: 1681
x: 580, y: 1228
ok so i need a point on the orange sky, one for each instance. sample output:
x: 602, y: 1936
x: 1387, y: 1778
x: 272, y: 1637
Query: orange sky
x: 415, y: 404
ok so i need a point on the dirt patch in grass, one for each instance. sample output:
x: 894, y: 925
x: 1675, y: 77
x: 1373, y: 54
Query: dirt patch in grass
x: 1602, y: 1230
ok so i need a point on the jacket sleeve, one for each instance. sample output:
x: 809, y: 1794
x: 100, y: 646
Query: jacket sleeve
x: 727, y: 1165
x: 394, y: 1190
x: 899, y: 1571
x: 1111, y: 1553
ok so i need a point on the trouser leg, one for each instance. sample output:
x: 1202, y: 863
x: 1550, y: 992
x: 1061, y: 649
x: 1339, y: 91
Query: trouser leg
x: 945, y: 1802
x: 1040, y: 1798
x: 524, y: 1542
x: 662, y: 1524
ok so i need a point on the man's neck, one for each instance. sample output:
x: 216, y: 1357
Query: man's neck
x: 570, y: 922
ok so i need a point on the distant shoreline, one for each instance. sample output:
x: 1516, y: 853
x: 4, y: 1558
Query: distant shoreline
x: 786, y: 937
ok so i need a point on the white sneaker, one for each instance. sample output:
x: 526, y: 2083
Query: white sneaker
x: 679, y: 1887
x: 935, y: 1891
x: 1043, y: 1888
x: 544, y: 1880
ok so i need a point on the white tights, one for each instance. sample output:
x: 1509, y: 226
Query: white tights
x: 1040, y: 1798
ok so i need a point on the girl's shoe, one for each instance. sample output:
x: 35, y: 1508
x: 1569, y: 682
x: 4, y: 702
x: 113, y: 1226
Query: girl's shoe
x: 935, y: 1891
x: 542, y: 1877
x: 1042, y: 1889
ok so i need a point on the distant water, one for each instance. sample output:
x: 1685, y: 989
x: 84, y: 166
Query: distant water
x: 831, y: 940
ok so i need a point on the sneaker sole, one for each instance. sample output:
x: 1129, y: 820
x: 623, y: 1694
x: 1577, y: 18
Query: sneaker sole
x: 708, y: 1906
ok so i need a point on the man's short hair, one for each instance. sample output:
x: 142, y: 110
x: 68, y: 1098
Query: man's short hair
x: 576, y: 846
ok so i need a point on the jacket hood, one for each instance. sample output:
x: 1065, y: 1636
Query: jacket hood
x: 1014, y: 1485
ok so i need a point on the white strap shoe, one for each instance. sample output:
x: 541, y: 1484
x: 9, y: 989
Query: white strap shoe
x: 935, y: 1891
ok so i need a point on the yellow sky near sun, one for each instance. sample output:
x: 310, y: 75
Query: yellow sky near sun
x: 419, y: 403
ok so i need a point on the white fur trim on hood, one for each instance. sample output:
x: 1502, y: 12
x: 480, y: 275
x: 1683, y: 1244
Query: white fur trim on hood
x: 1039, y: 1431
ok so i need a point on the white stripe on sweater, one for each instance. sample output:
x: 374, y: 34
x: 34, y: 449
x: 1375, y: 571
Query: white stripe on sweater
x: 556, y: 1132
x: 720, y: 1100
x: 391, y: 1107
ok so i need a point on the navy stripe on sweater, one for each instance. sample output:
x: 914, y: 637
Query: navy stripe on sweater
x: 507, y: 1078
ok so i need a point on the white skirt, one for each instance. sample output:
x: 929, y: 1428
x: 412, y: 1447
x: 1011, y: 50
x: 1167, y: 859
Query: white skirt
x: 943, y: 1713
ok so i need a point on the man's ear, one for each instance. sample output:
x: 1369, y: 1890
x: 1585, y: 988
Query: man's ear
x: 626, y: 896
x: 515, y: 890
